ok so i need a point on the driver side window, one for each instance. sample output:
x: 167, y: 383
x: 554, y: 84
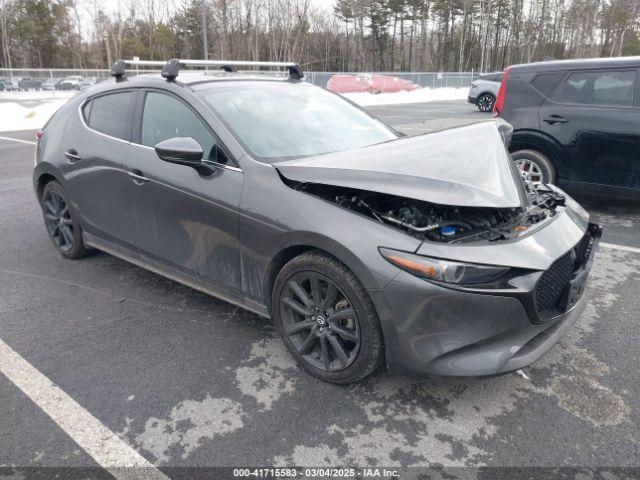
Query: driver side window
x: 166, y: 117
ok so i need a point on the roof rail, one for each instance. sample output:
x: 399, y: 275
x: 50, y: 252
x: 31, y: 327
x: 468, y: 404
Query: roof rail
x: 171, y: 68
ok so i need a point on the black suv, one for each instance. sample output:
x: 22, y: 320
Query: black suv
x: 576, y: 122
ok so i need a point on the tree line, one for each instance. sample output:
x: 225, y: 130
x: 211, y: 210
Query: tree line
x: 341, y: 35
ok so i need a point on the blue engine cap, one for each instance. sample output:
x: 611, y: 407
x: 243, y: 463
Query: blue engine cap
x: 447, y: 231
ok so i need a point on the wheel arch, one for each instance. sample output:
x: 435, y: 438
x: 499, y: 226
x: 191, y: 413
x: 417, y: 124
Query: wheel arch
x: 543, y: 143
x: 302, y: 243
x: 43, y: 174
x: 276, y: 264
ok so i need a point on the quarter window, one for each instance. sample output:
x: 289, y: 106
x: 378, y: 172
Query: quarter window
x: 546, y: 83
x: 613, y: 88
x: 109, y: 114
x: 166, y: 117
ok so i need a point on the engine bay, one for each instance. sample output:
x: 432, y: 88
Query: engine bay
x: 441, y: 223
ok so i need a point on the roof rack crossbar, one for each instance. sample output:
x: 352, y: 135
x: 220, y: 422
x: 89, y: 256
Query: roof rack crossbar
x: 171, y: 68
x: 120, y: 66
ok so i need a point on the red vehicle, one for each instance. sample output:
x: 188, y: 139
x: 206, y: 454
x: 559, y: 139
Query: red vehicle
x: 369, y: 83
x: 349, y: 84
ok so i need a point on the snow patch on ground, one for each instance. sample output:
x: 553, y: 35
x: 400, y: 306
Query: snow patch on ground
x: 266, y: 373
x: 415, y: 96
x: 190, y: 423
x: 14, y: 116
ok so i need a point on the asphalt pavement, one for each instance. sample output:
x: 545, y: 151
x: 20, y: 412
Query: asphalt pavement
x: 425, y: 117
x: 175, y: 378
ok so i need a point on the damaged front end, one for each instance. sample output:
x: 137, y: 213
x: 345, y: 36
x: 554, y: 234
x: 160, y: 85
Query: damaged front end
x: 441, y: 223
x: 454, y: 186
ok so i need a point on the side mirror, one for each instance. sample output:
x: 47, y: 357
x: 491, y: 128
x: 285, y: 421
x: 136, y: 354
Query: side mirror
x: 180, y: 150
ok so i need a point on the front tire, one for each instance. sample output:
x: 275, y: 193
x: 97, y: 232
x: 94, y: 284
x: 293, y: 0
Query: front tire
x: 326, y: 319
x: 485, y: 102
x: 535, y: 166
x: 61, y: 221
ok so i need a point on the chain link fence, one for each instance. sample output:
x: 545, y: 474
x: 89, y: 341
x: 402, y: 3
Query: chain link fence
x: 424, y: 79
x: 42, y: 76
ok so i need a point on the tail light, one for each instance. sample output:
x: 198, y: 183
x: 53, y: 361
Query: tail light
x: 502, y: 93
x: 39, y: 134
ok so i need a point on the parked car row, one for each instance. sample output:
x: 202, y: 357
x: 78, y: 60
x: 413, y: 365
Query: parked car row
x: 71, y: 82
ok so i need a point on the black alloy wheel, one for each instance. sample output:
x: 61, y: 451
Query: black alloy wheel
x: 60, y: 221
x: 486, y: 102
x: 320, y: 321
x: 326, y: 318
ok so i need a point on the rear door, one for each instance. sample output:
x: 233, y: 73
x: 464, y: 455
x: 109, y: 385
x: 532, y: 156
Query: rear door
x: 95, y: 146
x: 593, y: 114
x: 184, y: 219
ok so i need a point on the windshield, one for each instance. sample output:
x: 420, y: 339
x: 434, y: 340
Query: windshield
x: 277, y: 121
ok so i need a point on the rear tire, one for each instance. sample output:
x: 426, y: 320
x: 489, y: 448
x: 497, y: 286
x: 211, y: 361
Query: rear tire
x: 326, y: 319
x: 485, y: 102
x: 61, y: 221
x: 536, y: 165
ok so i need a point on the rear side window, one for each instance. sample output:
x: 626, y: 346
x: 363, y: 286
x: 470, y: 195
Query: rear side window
x: 546, y: 83
x: 613, y: 88
x: 109, y: 114
x: 166, y: 117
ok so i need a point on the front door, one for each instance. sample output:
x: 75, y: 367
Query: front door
x: 593, y: 115
x: 184, y: 218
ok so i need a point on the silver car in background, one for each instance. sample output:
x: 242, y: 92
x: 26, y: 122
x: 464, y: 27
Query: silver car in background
x: 72, y: 82
x: 484, y: 91
x: 51, y: 84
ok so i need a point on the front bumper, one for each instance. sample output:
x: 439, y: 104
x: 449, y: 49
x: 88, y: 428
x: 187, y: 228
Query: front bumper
x: 435, y: 329
x: 473, y: 100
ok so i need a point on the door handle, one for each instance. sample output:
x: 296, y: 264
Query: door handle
x: 138, y: 177
x: 72, y: 155
x: 552, y: 119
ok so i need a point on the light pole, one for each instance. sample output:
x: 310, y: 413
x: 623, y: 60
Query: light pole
x: 205, y: 43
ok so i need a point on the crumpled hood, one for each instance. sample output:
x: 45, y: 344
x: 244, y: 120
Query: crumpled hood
x: 466, y: 166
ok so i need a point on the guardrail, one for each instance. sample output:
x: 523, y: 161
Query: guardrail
x: 424, y: 79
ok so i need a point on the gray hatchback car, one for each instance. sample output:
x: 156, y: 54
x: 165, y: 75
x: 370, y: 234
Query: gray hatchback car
x: 428, y: 254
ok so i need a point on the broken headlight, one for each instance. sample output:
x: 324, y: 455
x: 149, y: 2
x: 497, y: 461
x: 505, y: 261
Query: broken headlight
x: 446, y: 271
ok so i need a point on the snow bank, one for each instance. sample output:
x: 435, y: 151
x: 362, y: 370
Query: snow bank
x: 415, y: 96
x: 14, y: 116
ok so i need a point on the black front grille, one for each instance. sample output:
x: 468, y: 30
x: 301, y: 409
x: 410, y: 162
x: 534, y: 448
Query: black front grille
x: 552, y: 283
